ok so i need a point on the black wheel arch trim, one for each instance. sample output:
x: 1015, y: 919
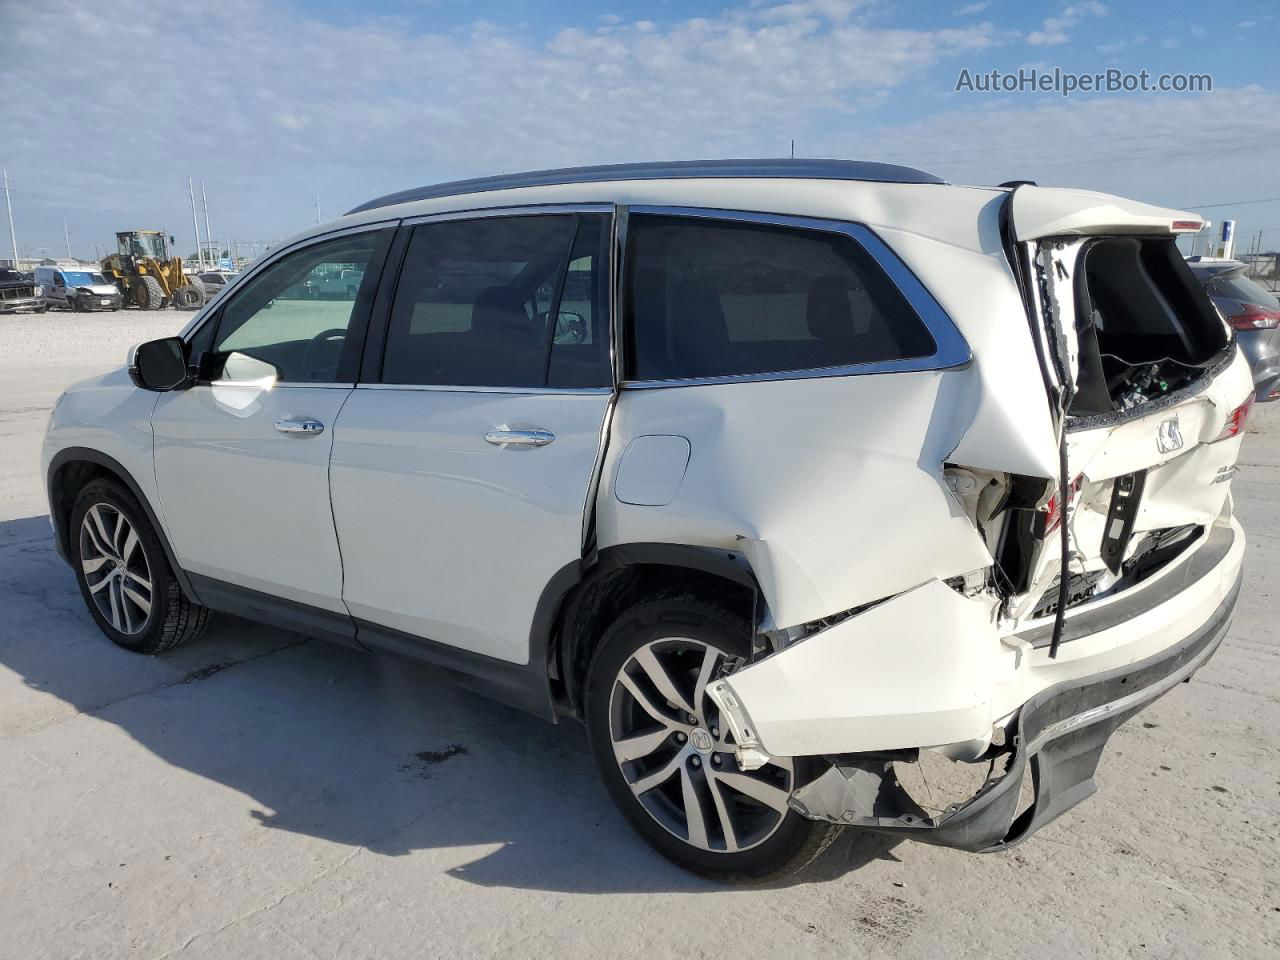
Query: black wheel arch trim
x: 559, y: 603
x: 60, y: 519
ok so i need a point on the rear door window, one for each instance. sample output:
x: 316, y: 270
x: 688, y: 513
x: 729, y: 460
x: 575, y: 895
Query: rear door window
x: 710, y: 298
x: 518, y: 301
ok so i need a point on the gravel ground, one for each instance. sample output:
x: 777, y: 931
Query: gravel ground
x: 258, y: 794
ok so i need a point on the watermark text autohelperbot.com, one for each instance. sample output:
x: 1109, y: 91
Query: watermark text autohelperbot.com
x: 1065, y: 83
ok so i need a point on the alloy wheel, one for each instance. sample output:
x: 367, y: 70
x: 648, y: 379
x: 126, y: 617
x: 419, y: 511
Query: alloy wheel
x: 679, y: 759
x: 115, y: 568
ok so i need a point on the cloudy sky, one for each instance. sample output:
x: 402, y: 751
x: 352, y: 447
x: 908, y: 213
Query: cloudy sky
x: 109, y: 107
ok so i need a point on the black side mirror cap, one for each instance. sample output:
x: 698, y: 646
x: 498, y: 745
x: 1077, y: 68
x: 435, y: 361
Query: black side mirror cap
x: 160, y: 365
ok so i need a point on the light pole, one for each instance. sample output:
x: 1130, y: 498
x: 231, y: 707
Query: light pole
x: 13, y: 240
x: 208, y: 236
x: 195, y: 224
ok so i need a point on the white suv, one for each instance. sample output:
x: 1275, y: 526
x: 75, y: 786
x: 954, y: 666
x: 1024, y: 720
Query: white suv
x: 764, y: 470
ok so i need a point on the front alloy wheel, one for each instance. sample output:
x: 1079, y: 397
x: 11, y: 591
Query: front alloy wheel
x: 115, y: 569
x: 124, y: 575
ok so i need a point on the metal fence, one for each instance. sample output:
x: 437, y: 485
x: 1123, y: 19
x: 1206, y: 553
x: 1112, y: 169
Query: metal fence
x: 1263, y: 267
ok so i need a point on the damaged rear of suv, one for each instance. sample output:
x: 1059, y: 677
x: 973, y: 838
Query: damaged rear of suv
x: 1113, y: 564
x: 787, y: 478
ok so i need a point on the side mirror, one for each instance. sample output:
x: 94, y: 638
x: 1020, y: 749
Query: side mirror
x: 160, y: 365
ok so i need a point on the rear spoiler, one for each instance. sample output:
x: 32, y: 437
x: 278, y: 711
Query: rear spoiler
x: 1039, y: 212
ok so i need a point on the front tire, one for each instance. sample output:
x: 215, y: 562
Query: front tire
x: 666, y: 761
x: 147, y: 293
x: 124, y: 576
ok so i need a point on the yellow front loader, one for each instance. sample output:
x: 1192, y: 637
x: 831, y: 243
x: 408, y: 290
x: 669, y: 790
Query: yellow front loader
x: 147, y: 276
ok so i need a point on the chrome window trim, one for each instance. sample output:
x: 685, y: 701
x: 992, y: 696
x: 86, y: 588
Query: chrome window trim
x: 228, y: 290
x: 465, y: 388
x: 530, y: 210
x: 285, y: 385
x: 950, y: 348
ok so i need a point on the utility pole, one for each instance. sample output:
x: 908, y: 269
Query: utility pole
x: 208, y: 236
x: 317, y: 208
x: 66, y: 235
x: 195, y: 224
x: 9, y: 205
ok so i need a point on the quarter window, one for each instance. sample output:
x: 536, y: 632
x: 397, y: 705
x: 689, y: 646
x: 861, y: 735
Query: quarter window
x: 501, y: 302
x: 300, y: 320
x: 709, y: 298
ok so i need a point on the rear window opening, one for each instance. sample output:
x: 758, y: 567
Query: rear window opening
x: 1145, y: 327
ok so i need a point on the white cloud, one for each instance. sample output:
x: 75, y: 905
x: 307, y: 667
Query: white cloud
x: 288, y: 107
x: 1196, y: 30
x: 1054, y: 30
x: 1133, y: 146
x: 970, y: 9
x: 1170, y: 43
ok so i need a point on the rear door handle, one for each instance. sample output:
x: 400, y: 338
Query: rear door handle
x: 306, y: 427
x: 525, y: 438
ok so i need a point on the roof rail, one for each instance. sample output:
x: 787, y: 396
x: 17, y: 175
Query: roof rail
x: 668, y: 170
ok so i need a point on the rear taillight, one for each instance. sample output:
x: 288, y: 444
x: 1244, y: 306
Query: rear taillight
x: 1255, y: 318
x: 1235, y: 421
x: 1052, y: 513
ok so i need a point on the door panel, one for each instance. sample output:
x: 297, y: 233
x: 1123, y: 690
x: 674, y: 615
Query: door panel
x: 460, y: 481
x: 243, y: 502
x: 446, y: 535
x: 242, y: 460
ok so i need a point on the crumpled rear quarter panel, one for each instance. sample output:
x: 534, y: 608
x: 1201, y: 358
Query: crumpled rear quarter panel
x: 831, y: 487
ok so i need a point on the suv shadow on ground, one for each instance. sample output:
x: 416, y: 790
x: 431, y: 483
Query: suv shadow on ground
x: 339, y: 745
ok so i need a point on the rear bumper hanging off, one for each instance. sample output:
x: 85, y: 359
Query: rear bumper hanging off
x: 1059, y: 733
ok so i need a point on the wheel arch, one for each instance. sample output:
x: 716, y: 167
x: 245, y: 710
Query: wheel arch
x: 69, y: 471
x: 583, y: 598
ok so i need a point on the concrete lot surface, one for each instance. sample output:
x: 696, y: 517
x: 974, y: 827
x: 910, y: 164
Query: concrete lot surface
x: 261, y: 795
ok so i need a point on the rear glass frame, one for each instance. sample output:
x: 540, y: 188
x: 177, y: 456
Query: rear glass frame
x: 950, y: 347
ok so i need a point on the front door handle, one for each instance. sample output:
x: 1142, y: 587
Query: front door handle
x: 306, y: 427
x: 525, y: 438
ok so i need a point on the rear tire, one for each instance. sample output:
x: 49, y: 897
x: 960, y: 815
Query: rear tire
x: 147, y: 293
x: 124, y: 576
x: 698, y: 814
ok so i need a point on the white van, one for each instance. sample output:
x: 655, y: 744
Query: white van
x: 78, y: 289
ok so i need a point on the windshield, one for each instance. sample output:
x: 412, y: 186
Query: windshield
x: 82, y: 278
x: 1239, y: 287
x: 142, y: 245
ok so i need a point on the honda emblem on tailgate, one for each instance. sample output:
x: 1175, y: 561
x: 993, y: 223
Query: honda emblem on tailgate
x: 1169, y: 437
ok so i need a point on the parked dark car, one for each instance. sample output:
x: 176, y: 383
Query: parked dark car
x: 19, y: 292
x: 1253, y: 312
